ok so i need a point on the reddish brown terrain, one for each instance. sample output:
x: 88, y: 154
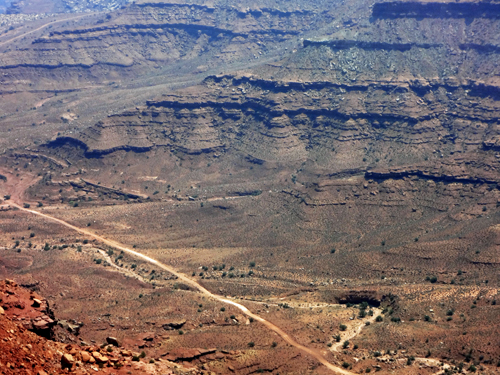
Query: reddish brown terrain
x: 306, y: 188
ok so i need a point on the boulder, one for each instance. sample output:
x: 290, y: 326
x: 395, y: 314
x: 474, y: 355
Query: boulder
x: 175, y: 324
x: 36, y: 302
x: 2, y: 311
x: 41, y: 325
x: 113, y: 341
x: 67, y: 361
x: 102, y: 359
x: 85, y: 356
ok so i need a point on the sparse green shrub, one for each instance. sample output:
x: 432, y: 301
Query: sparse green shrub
x: 342, y: 327
x: 379, y: 318
x: 143, y: 354
x: 345, y: 365
x: 345, y: 345
x: 222, y: 309
x: 251, y: 344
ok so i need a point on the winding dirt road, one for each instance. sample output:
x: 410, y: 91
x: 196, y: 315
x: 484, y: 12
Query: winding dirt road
x: 197, y: 286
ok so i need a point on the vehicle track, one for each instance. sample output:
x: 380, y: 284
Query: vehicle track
x: 197, y: 286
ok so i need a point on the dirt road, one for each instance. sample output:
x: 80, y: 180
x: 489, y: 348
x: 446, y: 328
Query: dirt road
x: 197, y: 286
x: 43, y: 27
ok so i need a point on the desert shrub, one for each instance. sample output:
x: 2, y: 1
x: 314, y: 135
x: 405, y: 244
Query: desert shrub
x: 427, y: 318
x: 337, y: 338
x: 143, y: 354
x: 32, y: 234
x: 252, y: 264
x: 379, y: 318
x: 251, y: 344
x: 223, y: 309
x: 181, y: 332
x: 346, y: 344
x: 274, y: 344
x: 26, y: 205
x: 345, y: 365
x: 135, y: 358
x: 342, y: 327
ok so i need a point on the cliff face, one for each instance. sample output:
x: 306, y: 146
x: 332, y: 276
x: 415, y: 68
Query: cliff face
x: 145, y: 38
